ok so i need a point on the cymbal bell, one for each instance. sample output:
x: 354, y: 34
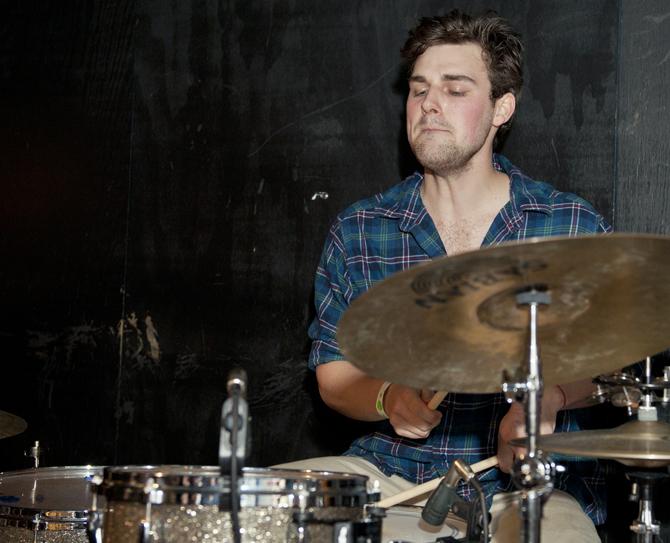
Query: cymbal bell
x: 637, y: 443
x: 454, y: 323
x: 11, y: 425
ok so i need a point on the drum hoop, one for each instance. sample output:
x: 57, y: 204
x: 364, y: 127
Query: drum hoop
x: 208, y: 479
x: 52, y: 471
x: 202, y: 485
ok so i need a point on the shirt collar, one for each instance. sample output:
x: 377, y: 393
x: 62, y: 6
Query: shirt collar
x: 407, y: 206
x: 526, y: 195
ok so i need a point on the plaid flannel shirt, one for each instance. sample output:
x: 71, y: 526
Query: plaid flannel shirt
x: 392, y: 231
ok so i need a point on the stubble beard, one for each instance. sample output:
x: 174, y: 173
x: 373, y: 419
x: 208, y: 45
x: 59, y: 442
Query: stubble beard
x: 442, y: 157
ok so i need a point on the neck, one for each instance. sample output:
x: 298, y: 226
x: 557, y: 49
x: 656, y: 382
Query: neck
x: 475, y: 187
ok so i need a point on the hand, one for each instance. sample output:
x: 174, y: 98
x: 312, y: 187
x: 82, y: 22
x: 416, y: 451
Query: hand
x: 513, y: 425
x: 408, y: 413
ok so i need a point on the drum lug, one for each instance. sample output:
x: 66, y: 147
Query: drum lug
x: 301, y: 520
x: 94, y: 527
x: 145, y: 535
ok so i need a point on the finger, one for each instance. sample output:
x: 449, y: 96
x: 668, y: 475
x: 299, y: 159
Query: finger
x: 417, y: 428
x: 416, y: 413
x: 410, y: 432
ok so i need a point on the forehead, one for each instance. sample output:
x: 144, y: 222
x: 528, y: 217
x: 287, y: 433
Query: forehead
x: 453, y: 59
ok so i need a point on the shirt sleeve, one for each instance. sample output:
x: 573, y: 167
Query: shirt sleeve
x: 332, y: 295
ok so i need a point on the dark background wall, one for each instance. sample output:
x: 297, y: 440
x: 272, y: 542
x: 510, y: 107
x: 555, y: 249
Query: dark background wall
x: 174, y: 166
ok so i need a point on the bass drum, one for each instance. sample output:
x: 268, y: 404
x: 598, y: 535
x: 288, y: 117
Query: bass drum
x: 46, y: 505
x: 182, y: 504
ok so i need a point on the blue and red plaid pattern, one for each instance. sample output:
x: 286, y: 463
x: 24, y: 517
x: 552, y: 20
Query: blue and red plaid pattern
x: 392, y: 231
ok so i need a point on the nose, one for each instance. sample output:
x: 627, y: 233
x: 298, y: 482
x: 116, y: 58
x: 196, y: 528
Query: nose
x: 431, y: 103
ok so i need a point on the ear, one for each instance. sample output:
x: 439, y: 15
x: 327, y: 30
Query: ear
x: 503, y: 109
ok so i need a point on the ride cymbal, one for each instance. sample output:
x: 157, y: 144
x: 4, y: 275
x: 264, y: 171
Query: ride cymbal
x: 454, y: 323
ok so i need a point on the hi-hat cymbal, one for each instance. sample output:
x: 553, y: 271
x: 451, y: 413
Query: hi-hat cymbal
x: 454, y: 324
x: 637, y: 443
x: 10, y: 425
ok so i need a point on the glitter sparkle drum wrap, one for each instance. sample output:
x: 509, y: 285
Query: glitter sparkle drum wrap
x: 180, y: 504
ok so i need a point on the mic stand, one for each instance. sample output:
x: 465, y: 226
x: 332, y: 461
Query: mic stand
x: 233, y: 443
x: 532, y: 473
x: 445, y: 499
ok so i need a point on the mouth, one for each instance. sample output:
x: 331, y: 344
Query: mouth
x: 426, y: 125
x: 432, y: 129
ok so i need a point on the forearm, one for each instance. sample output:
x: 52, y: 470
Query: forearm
x: 348, y: 390
x: 572, y: 395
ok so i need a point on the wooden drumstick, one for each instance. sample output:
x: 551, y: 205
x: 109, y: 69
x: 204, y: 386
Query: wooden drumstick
x: 436, y: 400
x: 431, y: 485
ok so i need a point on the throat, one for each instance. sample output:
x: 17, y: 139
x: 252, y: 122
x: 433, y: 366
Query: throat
x: 460, y: 235
x: 463, y: 213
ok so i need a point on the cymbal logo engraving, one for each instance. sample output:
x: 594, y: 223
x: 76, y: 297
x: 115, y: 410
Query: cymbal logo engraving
x: 440, y: 286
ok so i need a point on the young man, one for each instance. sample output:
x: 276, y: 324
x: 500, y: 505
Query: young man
x: 465, y: 76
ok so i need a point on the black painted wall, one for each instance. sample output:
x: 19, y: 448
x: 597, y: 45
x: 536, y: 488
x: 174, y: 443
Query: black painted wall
x: 169, y: 171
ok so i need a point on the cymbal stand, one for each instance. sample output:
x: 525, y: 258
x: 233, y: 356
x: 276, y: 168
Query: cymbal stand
x: 645, y: 527
x: 647, y: 411
x: 532, y: 473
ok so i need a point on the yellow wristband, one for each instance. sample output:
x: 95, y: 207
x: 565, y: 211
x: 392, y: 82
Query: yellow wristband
x: 379, y: 404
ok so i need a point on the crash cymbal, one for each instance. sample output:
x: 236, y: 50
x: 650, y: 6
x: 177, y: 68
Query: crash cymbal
x: 10, y: 425
x: 637, y: 443
x: 454, y: 324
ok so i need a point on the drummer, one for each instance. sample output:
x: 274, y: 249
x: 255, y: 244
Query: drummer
x: 465, y: 78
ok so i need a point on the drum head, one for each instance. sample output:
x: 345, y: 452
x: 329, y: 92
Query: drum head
x: 48, y: 489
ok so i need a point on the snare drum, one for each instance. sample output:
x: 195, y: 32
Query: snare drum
x: 46, y: 505
x: 180, y: 504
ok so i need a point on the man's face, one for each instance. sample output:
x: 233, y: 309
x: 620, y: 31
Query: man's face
x: 449, y: 109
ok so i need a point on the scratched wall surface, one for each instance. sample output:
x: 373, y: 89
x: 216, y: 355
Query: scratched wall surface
x: 66, y: 109
x: 643, y: 181
x: 170, y: 177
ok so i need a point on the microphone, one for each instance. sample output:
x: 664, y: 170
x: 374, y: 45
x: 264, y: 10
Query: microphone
x: 233, y: 443
x: 237, y: 380
x: 445, y: 496
x: 234, y: 437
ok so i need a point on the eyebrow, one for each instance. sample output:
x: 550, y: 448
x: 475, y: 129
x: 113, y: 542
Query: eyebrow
x: 445, y: 77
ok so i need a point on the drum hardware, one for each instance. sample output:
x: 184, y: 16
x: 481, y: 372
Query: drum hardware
x: 666, y: 380
x: 646, y: 528
x: 234, y: 440
x: 445, y: 499
x: 35, y: 452
x: 300, y: 521
x: 532, y: 473
x: 637, y: 395
x: 94, y: 525
x: 11, y: 425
